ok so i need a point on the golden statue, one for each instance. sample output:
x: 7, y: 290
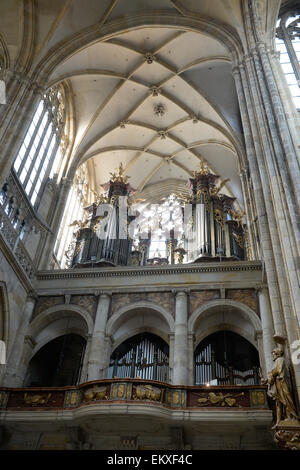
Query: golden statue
x: 278, y: 390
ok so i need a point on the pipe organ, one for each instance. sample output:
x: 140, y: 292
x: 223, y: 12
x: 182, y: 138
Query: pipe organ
x: 211, y: 228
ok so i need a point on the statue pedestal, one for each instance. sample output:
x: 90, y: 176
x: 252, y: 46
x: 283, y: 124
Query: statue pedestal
x: 287, y: 434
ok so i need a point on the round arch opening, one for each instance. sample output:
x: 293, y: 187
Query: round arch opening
x: 226, y: 358
x: 144, y: 356
x: 58, y: 363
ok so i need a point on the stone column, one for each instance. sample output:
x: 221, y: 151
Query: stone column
x: 97, y: 357
x: 180, y: 361
x: 191, y: 339
x: 16, y: 367
x: 58, y: 213
x: 84, y: 371
x: 267, y: 326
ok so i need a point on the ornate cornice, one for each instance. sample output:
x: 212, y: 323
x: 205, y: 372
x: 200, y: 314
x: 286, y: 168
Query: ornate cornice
x: 129, y: 271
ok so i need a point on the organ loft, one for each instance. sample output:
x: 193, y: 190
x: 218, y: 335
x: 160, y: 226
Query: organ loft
x: 149, y: 235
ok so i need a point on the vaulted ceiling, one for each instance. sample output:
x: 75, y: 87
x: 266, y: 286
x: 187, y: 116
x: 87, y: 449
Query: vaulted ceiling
x: 158, y: 99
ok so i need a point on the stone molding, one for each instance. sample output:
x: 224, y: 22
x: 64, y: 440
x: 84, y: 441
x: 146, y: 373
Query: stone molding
x: 151, y: 271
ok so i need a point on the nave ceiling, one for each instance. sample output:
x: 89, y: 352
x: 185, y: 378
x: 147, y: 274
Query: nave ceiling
x: 158, y: 99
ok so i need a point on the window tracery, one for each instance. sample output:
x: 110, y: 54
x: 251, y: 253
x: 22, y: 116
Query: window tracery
x: 77, y: 199
x: 41, y: 151
x: 288, y: 44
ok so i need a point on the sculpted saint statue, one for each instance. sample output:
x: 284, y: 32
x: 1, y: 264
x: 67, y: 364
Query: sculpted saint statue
x: 278, y: 390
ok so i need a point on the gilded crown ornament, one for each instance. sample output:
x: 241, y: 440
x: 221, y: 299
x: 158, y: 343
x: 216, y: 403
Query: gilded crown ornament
x: 202, y: 170
x: 119, y: 175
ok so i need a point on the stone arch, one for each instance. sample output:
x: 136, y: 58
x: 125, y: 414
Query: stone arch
x: 124, y: 316
x: 224, y: 303
x: 50, y: 324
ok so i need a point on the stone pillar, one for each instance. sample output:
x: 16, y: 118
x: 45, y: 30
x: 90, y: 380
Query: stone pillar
x: 180, y: 361
x: 267, y: 326
x: 16, y: 367
x: 191, y: 339
x: 97, y: 357
x: 84, y: 371
x: 58, y: 213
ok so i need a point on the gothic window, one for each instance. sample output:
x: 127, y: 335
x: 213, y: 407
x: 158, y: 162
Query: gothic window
x: 225, y: 358
x: 39, y: 155
x: 58, y: 363
x: 288, y: 44
x: 144, y: 356
x: 78, y: 198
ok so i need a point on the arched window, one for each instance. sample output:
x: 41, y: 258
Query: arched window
x: 39, y: 155
x: 288, y: 44
x: 58, y: 363
x: 78, y: 198
x: 144, y: 356
x: 225, y: 358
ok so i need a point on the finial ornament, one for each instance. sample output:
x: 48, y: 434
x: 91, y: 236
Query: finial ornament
x: 119, y: 175
x: 202, y: 170
x: 278, y: 390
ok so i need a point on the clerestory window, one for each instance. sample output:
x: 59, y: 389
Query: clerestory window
x: 288, y: 44
x: 40, y: 153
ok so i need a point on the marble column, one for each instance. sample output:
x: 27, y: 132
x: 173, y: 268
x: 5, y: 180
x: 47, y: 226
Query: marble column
x: 97, y: 357
x: 16, y: 367
x: 180, y: 361
x: 267, y: 326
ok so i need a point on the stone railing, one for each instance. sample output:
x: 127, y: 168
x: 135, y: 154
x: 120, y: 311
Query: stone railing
x: 15, y: 244
x: 111, y: 391
x: 21, y: 207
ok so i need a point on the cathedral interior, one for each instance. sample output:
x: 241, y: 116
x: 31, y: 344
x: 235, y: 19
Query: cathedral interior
x: 149, y: 224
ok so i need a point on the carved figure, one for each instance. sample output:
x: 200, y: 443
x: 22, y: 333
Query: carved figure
x: 95, y: 393
x: 36, y: 399
x: 147, y: 392
x: 278, y: 390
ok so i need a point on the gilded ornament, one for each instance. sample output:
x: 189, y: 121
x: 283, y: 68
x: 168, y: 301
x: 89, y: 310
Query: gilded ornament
x: 202, y: 170
x: 239, y: 239
x: 219, y: 217
x: 35, y: 400
x: 218, y: 399
x: 147, y: 392
x: 119, y: 175
x: 95, y: 394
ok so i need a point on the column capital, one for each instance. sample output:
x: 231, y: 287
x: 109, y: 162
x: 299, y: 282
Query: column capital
x: 102, y: 294
x: 183, y: 292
